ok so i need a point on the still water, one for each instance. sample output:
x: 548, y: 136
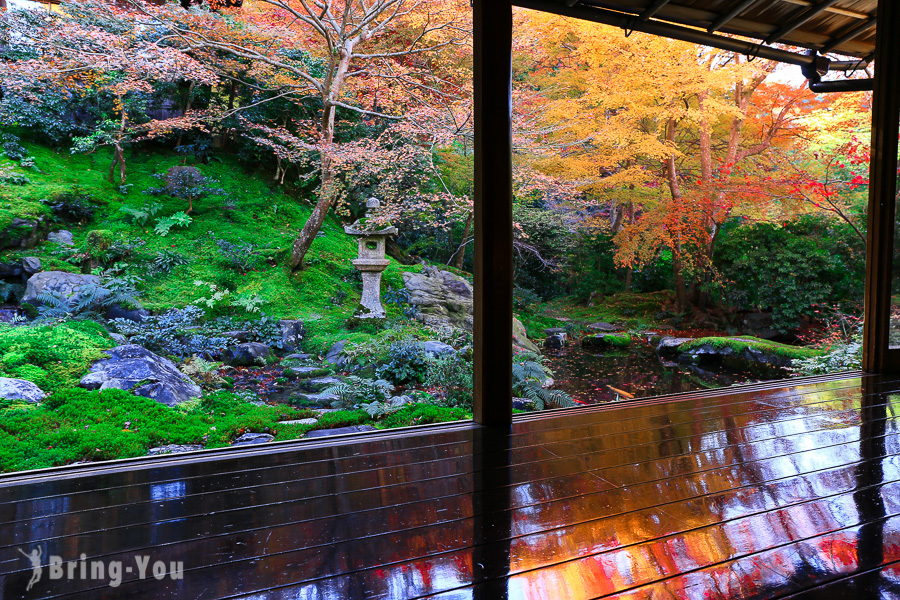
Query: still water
x: 593, y: 377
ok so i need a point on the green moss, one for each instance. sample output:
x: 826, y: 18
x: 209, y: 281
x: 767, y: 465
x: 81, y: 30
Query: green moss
x: 617, y: 340
x: 744, y: 342
x: 52, y: 357
x: 98, y: 242
x: 13, y: 207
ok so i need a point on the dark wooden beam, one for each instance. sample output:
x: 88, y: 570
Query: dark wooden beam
x: 493, y: 212
x: 877, y: 357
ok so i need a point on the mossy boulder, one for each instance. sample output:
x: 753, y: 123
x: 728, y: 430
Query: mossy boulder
x: 740, y: 351
x: 604, y: 341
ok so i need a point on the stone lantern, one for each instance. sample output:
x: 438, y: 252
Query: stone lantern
x: 371, y: 262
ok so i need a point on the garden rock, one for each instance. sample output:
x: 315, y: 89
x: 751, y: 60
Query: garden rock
x: 601, y: 326
x: 253, y: 438
x: 62, y: 237
x: 19, y: 389
x: 523, y: 404
x: 440, y: 298
x: 132, y: 367
x: 435, y: 348
x: 292, y: 333
x: 555, y: 341
x: 238, y: 335
x: 333, y: 356
x: 173, y: 449
x: 119, y: 338
x: 605, y: 341
x: 250, y: 353
x: 67, y: 285
x: 299, y: 356
x: 520, y: 338
x: 317, y: 384
x: 339, y: 431
x: 750, y: 356
x: 323, y: 401
x: 31, y: 265
x: 24, y: 233
x: 304, y: 372
x: 669, y: 345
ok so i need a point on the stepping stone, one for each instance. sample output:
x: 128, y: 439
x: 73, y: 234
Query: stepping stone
x: 298, y: 356
x: 319, y: 383
x: 304, y: 372
x: 339, y: 431
x: 299, y: 422
x: 601, y: 326
x: 253, y: 438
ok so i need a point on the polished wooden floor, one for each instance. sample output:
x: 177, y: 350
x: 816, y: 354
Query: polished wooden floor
x: 769, y: 491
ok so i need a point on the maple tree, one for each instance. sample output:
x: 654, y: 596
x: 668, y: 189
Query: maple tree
x: 376, y: 60
x: 673, y: 138
x: 96, y: 48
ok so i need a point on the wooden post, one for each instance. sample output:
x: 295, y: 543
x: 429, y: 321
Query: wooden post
x: 492, y: 22
x: 877, y: 358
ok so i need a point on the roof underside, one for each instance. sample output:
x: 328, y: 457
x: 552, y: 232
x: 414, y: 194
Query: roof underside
x: 845, y: 27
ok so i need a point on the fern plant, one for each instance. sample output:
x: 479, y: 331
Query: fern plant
x: 165, y: 224
x: 140, y: 216
x: 166, y: 260
x: 529, y: 377
x: 377, y: 410
x: 359, y: 391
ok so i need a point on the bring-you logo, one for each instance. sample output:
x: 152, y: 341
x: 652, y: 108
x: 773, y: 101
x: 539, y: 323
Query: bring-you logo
x: 111, y: 572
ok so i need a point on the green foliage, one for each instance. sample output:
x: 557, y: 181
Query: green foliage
x: 406, y: 363
x: 175, y: 332
x: 140, y: 216
x: 451, y: 377
x: 424, y: 414
x: 75, y: 425
x: 789, y: 269
x: 359, y: 390
x: 529, y: 377
x: 166, y: 260
x: 840, y: 357
x: 52, y: 357
x: 590, y: 269
x: 165, y: 224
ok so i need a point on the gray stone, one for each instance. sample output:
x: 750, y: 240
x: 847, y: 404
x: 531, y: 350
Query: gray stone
x: 62, y: 237
x: 132, y: 367
x: 67, y: 285
x: 523, y: 404
x: 520, y: 338
x: 440, y: 298
x: 249, y: 353
x: 554, y: 330
x: 173, y: 449
x: 317, y: 384
x: 299, y: 422
x: 304, y: 372
x: 435, y: 348
x: 24, y: 233
x: 334, y: 357
x: 31, y: 265
x: 339, y: 431
x: 601, y: 326
x: 292, y: 333
x: 299, y: 356
x: 119, y: 338
x: 19, y: 389
x: 253, y: 438
x: 669, y: 345
x: 556, y: 341
x: 239, y: 335
x: 320, y: 400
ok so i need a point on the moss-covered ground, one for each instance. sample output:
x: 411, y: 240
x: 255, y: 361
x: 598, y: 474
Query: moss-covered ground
x: 738, y: 344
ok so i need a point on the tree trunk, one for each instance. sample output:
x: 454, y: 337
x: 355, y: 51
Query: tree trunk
x: 681, y: 299
x: 461, y: 251
x: 118, y: 159
x: 314, y: 223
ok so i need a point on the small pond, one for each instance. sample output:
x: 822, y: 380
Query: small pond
x: 590, y: 376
